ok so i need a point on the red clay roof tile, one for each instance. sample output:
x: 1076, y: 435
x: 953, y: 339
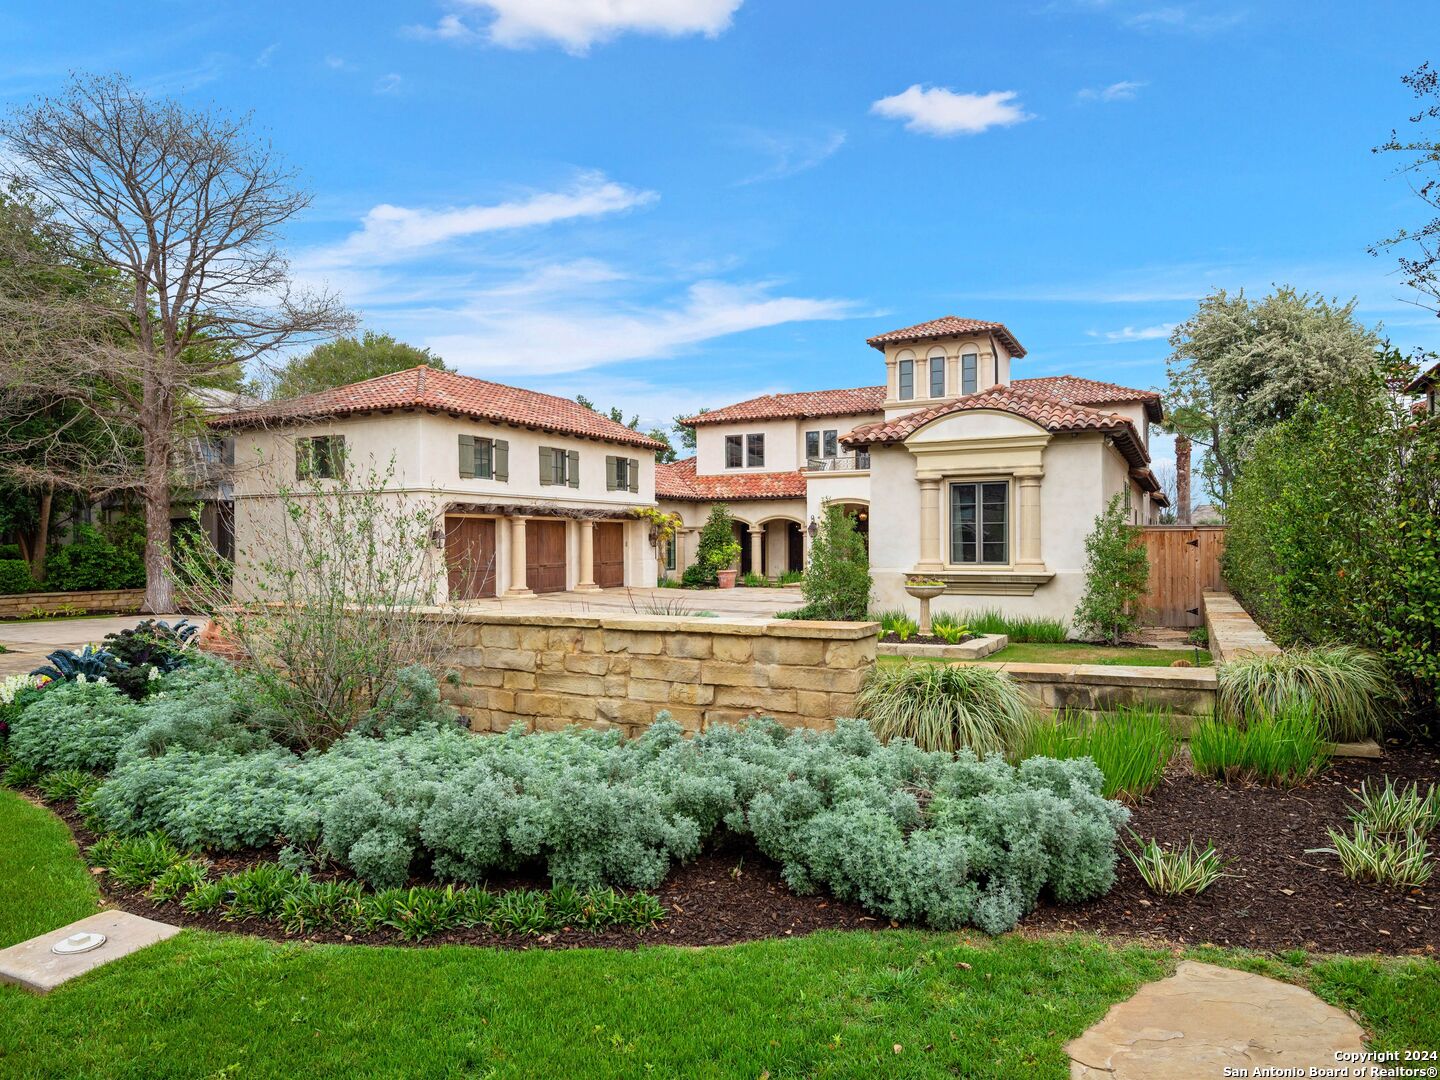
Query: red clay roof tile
x: 853, y: 402
x: 947, y: 326
x: 1090, y: 392
x: 677, y: 480
x: 445, y: 392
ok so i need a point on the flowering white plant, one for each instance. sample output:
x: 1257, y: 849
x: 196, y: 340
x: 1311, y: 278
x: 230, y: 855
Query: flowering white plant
x: 12, y: 685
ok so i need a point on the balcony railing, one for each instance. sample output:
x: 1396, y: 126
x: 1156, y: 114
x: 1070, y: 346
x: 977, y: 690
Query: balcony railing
x: 840, y: 463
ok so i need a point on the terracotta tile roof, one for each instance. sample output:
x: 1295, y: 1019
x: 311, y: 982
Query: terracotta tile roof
x: 677, y: 480
x: 1424, y: 381
x: 1052, y: 414
x: 853, y: 402
x: 442, y: 392
x: 946, y: 326
x: 1146, y: 479
x: 1090, y: 392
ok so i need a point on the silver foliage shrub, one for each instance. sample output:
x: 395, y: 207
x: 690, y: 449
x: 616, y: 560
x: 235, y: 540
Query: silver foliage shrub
x: 74, y: 725
x: 912, y: 835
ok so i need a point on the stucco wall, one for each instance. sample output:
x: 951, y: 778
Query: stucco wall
x: 548, y: 672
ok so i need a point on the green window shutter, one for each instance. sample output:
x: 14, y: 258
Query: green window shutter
x: 574, y: 469
x: 547, y: 465
x: 634, y: 472
x: 302, y: 459
x: 500, y: 459
x: 467, y: 457
x: 337, y: 456
x: 612, y: 472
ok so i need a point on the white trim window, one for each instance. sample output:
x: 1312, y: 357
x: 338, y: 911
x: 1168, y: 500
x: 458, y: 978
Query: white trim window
x: 980, y: 523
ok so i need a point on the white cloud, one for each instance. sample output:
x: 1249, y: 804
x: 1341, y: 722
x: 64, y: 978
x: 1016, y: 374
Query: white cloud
x: 939, y: 111
x: 1130, y: 333
x: 389, y: 84
x: 1125, y: 90
x: 503, y: 338
x: 394, y: 233
x: 336, y: 63
x: 575, y: 25
x: 263, y: 59
x: 790, y: 154
x: 1183, y: 18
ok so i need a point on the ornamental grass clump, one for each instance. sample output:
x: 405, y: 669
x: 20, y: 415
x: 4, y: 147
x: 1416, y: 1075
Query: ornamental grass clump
x: 1132, y: 746
x: 946, y: 707
x: 1186, y: 871
x: 1397, y: 859
x: 1282, y: 750
x: 1350, y: 690
x: 1392, y: 809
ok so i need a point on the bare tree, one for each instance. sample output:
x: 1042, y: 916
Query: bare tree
x: 179, y: 211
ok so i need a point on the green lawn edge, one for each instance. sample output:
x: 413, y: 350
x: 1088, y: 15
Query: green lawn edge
x: 830, y: 1004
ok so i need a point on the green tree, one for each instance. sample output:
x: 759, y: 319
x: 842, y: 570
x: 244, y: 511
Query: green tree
x: 1418, y: 249
x: 1238, y: 367
x: 716, y: 549
x: 349, y: 360
x: 837, y: 581
x: 1117, y: 571
x: 686, y: 432
x: 1334, y: 528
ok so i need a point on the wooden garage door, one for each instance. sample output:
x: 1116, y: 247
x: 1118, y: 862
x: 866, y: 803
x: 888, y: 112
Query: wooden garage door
x: 470, y: 557
x: 545, y: 555
x: 609, y: 554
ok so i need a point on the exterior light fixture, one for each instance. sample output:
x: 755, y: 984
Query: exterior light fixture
x: 812, y: 528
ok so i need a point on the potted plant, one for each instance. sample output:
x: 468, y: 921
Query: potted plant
x: 924, y: 590
x: 720, y: 559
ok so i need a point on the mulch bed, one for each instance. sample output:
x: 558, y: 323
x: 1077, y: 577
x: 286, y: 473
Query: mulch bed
x: 893, y: 638
x: 1279, y: 896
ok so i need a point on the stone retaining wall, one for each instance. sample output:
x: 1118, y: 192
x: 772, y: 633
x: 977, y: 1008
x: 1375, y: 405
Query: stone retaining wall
x: 1232, y: 630
x: 550, y: 671
x: 1189, y: 693
x: 92, y: 602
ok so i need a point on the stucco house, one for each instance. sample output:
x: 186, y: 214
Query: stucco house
x: 954, y: 469
x: 531, y: 492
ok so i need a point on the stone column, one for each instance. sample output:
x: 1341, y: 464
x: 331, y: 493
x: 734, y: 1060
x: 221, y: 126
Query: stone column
x: 517, y: 559
x: 587, y: 558
x: 930, y: 525
x: 757, y: 549
x: 892, y: 380
x: 1029, y: 504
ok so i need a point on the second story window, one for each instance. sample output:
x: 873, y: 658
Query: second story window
x: 559, y: 466
x: 754, y: 451
x: 822, y: 443
x: 969, y: 372
x: 907, y: 380
x: 937, y: 375
x: 484, y: 459
x: 622, y: 474
x: 734, y: 451
x: 320, y: 457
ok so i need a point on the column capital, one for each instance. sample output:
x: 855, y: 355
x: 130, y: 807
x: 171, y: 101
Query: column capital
x: 756, y: 530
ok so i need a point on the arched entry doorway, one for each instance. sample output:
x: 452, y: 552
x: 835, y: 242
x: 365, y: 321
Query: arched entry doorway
x: 781, y: 546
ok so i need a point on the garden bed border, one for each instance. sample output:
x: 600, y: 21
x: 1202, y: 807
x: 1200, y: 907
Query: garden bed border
x: 977, y: 648
x: 88, y: 601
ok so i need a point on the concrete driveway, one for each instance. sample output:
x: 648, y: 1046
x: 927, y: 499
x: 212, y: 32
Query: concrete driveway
x: 27, y: 642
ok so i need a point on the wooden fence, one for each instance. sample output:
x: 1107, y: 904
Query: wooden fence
x: 1184, y: 562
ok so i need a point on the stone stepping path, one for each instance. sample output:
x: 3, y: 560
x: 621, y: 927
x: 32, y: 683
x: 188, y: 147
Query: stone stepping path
x: 1204, y: 1018
x: 33, y: 965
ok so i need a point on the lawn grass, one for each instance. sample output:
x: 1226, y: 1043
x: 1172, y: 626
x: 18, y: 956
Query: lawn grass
x: 1072, y: 652
x: 43, y: 882
x: 891, y: 1003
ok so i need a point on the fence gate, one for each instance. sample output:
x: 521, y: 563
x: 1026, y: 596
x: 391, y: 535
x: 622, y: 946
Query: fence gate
x: 1184, y: 562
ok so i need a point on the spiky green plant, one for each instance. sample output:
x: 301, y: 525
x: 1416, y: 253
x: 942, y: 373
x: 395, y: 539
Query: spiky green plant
x: 1350, y: 689
x: 950, y: 633
x: 1131, y: 746
x: 1393, y: 809
x: 1182, y: 872
x: 944, y: 706
x: 1034, y: 629
x: 1283, y: 750
x: 1402, y: 860
x: 984, y: 621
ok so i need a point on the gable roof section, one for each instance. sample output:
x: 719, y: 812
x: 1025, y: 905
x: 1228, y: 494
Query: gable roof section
x: 947, y: 326
x: 677, y: 480
x: 1052, y: 414
x: 1091, y: 392
x: 1424, y: 381
x: 441, y: 392
x: 798, y: 406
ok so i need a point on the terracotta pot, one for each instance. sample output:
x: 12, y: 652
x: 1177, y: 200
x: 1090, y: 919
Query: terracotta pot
x: 727, y: 578
x: 215, y: 641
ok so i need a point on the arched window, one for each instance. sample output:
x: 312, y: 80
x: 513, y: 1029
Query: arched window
x: 969, y: 372
x: 937, y: 373
x: 906, y: 375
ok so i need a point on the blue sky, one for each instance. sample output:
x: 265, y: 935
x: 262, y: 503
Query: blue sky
x: 674, y: 203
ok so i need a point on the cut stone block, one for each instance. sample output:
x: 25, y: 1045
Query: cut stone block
x: 1204, y: 1019
x: 34, y: 966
